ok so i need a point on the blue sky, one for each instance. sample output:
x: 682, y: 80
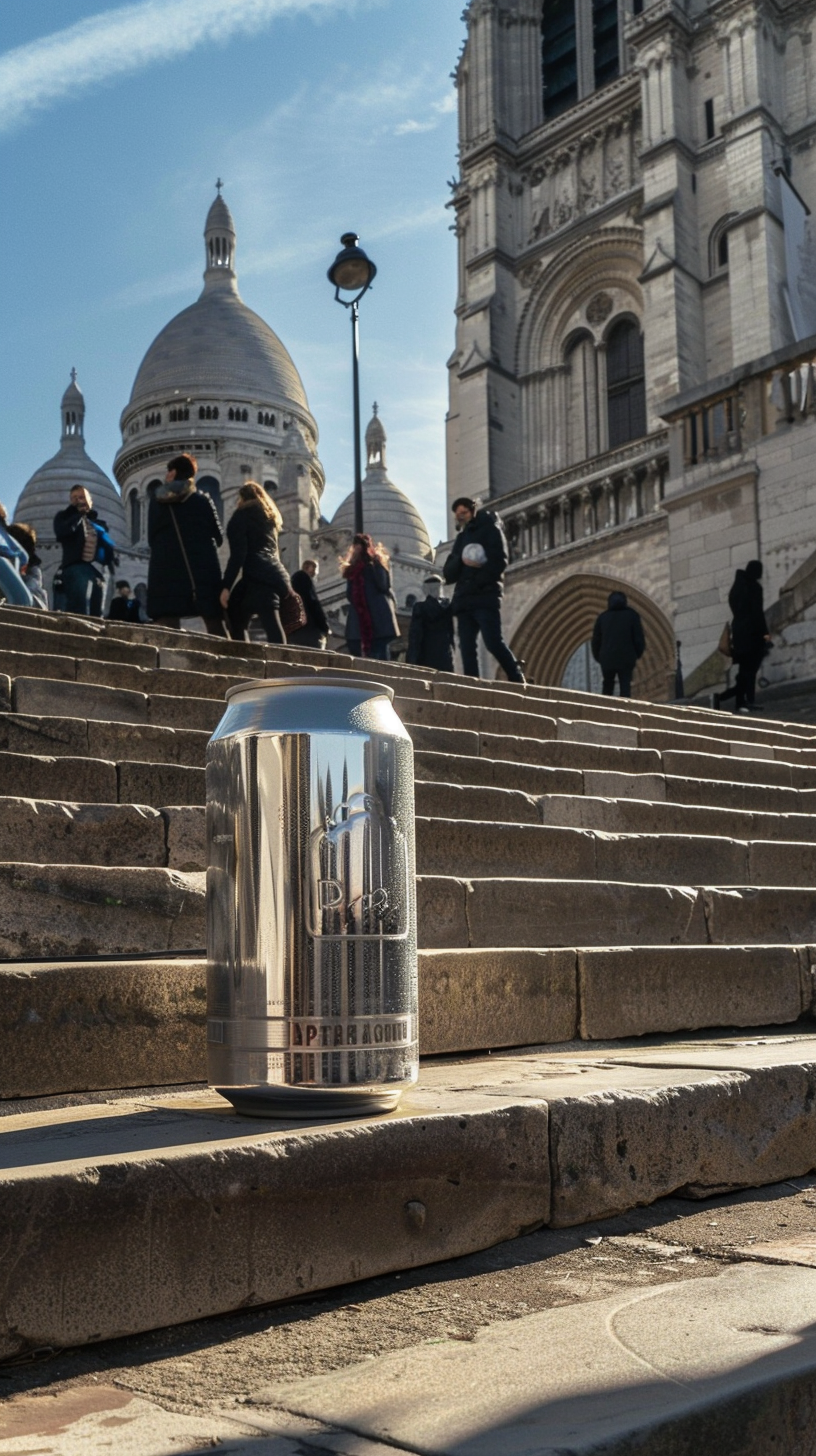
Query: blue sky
x: 320, y: 117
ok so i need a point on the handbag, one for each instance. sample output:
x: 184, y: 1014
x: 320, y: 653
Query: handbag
x: 726, y: 642
x: 292, y: 613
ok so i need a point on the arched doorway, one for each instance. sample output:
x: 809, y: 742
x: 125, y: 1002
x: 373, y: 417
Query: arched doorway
x: 561, y: 622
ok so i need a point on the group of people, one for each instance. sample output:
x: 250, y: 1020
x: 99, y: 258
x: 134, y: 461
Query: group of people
x: 185, y: 580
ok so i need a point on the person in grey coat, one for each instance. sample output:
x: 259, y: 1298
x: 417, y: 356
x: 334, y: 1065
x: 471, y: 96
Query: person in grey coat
x: 618, y: 641
x: 371, y: 625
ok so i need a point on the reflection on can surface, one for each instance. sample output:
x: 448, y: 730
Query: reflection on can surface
x: 311, y: 915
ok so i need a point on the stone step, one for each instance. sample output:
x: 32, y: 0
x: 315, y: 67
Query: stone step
x: 100, y: 738
x: 641, y: 816
x: 78, y: 1026
x: 532, y: 850
x: 533, y: 913
x: 58, y: 832
x: 91, y: 910
x: 22, y: 645
x: 128, y: 1214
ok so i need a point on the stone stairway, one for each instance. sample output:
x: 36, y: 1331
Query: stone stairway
x: 589, y: 871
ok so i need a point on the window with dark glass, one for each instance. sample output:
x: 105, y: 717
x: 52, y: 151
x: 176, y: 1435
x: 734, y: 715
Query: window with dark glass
x: 559, y: 56
x: 135, y: 519
x: 625, y: 384
x: 605, y: 41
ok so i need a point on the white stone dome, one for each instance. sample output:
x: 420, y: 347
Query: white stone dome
x: 218, y: 346
x: 48, y: 489
x: 388, y: 515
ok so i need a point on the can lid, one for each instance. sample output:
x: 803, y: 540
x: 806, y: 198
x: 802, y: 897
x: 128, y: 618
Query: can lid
x: 319, y: 680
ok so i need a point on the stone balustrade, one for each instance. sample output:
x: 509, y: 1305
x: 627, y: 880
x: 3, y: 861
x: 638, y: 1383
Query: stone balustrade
x: 606, y: 493
x: 730, y: 414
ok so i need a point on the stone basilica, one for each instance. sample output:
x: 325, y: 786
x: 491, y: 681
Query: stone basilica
x: 632, y: 383
x: 218, y: 382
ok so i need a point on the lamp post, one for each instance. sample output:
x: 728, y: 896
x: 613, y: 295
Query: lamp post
x: 353, y: 272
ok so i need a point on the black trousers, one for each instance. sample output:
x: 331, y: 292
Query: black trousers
x: 744, y: 689
x: 625, y: 680
x: 253, y: 599
x: 486, y: 620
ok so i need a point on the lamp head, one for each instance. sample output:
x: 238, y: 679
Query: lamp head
x: 352, y: 270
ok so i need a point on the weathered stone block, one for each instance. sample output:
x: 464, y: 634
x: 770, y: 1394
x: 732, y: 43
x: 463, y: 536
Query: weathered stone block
x: 754, y: 916
x: 186, y: 838
x: 42, y: 831
x: 185, y: 712
x: 78, y: 700
x: 539, y: 913
x: 441, y: 912
x: 610, y: 785
x: 89, y: 780
x: 462, y: 801
x: 101, y: 1024
x: 147, y: 743
x: 159, y: 783
x: 471, y: 1000
x: 58, y: 736
x: 81, y: 910
x: 670, y: 859
x: 520, y: 849
x: 635, y: 992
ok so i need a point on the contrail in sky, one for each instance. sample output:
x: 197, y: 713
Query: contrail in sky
x: 34, y: 76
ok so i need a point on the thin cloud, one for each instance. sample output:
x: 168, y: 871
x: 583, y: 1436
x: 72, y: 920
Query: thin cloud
x: 438, y: 110
x: 114, y: 42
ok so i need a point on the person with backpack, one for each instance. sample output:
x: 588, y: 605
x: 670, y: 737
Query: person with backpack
x: 87, y: 553
x: 184, y: 534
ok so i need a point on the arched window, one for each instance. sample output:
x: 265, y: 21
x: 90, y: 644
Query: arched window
x: 135, y: 514
x: 718, y: 245
x: 231, y: 414
x: 260, y: 417
x: 245, y: 416
x: 625, y: 383
x: 211, y: 487
x: 410, y: 599
x: 582, y: 400
x: 270, y: 486
x: 215, y: 412
x: 202, y: 413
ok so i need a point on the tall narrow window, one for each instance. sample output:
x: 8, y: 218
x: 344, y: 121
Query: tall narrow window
x: 626, y: 384
x: 559, y: 56
x: 582, y: 401
x: 605, y: 41
x: 708, y: 109
x: 135, y: 519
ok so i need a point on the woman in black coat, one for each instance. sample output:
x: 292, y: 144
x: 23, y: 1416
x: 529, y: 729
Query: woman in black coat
x: 252, y: 532
x: 184, y: 533
x: 371, y: 624
x: 750, y: 639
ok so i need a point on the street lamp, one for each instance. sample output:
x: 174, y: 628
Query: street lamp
x: 353, y: 272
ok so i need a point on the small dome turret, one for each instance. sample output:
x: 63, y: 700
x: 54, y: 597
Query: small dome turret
x: 72, y: 408
x: 219, y: 245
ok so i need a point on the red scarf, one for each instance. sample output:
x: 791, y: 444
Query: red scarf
x: 356, y: 575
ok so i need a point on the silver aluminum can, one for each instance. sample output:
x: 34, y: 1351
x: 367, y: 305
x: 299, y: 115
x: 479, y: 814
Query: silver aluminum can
x: 311, y: 899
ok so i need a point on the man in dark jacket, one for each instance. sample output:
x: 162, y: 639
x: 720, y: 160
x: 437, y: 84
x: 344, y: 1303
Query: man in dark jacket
x: 477, y: 565
x: 750, y: 639
x: 184, y: 533
x: 86, y: 553
x: 430, y: 635
x: 316, y: 631
x: 617, y: 643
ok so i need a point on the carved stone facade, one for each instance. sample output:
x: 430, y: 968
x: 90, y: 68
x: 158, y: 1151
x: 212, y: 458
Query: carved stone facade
x: 619, y: 219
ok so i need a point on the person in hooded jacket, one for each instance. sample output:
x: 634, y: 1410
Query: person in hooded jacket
x: 477, y: 565
x: 87, y: 552
x: 184, y: 533
x: 618, y: 640
x: 430, y: 635
x: 371, y: 625
x: 750, y: 639
x: 252, y: 532
x: 13, y: 558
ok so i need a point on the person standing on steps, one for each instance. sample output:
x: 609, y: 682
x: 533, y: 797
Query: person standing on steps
x: 477, y: 565
x: 750, y: 639
x: 184, y: 534
x: 430, y: 636
x: 26, y: 536
x: 87, y: 552
x: 371, y: 625
x: 252, y: 532
x: 316, y: 632
x: 124, y: 607
x: 618, y: 641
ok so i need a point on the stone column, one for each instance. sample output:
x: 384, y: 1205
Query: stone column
x: 607, y: 516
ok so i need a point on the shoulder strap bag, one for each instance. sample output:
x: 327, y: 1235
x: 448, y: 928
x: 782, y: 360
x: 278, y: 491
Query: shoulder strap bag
x: 184, y: 554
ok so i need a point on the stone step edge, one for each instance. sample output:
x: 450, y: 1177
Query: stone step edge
x: 463, y: 1165
x: 222, y: 650
x: 77, y: 1025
